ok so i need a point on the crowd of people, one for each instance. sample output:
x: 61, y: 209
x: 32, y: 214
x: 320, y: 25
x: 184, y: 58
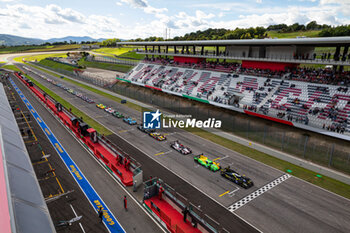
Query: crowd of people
x: 313, y: 75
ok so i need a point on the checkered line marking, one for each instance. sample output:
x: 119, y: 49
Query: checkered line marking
x: 258, y: 192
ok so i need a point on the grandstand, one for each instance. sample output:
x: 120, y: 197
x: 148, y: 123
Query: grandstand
x: 264, y: 84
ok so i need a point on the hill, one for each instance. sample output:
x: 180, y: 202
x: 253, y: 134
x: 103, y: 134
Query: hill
x: 77, y: 39
x: 10, y: 40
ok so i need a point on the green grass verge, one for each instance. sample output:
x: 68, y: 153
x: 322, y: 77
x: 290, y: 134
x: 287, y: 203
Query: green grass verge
x: 38, y: 57
x: 115, y: 51
x: 38, y: 48
x: 11, y: 67
x: 132, y: 54
x: 275, y: 34
x: 106, y: 66
x: 91, y: 122
x: 302, y: 173
x: 57, y: 65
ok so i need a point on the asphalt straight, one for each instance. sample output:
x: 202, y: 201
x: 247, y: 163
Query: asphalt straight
x: 291, y: 203
x: 219, y: 213
x: 133, y: 220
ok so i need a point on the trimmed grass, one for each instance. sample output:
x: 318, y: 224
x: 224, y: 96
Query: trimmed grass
x: 57, y: 65
x: 99, y: 128
x: 11, y: 67
x: 106, y: 66
x: 115, y: 51
x: 312, y: 33
x: 39, y: 57
x: 132, y: 54
x: 29, y: 49
x: 302, y: 173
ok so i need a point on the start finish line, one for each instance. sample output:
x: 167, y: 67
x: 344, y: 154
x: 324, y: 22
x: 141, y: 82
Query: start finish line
x: 109, y: 220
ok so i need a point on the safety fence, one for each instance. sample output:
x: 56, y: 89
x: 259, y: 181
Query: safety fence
x: 105, y: 59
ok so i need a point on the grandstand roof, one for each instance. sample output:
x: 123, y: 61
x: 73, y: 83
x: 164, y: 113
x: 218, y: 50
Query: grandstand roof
x: 23, y: 208
x: 320, y: 41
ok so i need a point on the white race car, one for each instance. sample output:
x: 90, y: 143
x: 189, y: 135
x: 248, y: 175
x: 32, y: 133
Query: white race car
x: 176, y: 145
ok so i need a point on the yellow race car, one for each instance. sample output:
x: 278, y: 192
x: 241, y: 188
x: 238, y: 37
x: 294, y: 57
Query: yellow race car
x: 158, y: 136
x: 101, y: 106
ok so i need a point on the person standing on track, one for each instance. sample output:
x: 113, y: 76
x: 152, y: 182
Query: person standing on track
x: 125, y: 203
x: 100, y: 213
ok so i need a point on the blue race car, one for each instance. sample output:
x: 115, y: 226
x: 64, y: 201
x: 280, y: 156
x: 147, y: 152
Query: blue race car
x: 130, y: 120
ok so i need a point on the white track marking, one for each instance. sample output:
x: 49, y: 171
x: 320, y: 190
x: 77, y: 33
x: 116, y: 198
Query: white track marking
x: 81, y: 226
x: 258, y: 192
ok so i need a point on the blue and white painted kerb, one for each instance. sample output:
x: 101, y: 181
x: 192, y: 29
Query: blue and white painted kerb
x: 108, y: 218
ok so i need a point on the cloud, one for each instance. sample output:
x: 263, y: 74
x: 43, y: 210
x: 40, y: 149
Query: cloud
x: 136, y: 3
x: 145, y: 6
x: 54, y: 21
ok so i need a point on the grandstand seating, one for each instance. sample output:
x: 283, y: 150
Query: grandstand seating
x: 317, y: 105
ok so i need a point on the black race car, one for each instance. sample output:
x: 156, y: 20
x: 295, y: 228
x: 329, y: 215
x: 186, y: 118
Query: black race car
x: 176, y: 145
x: 148, y: 131
x: 242, y: 181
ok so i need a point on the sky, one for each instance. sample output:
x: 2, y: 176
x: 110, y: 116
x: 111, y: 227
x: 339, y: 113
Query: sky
x: 130, y: 19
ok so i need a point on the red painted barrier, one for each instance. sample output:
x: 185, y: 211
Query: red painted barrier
x: 269, y: 118
x: 155, y: 88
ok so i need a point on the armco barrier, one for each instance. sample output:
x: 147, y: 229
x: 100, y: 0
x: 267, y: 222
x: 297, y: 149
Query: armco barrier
x: 119, y: 164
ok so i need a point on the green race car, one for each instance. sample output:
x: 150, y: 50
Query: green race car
x: 117, y: 114
x: 205, y: 162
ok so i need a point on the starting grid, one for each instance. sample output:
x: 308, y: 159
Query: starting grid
x: 109, y: 220
x: 257, y: 193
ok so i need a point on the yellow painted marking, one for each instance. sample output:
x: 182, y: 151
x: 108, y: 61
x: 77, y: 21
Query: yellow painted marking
x: 29, y: 141
x: 47, y: 131
x: 58, y: 147
x: 216, y: 159
x: 38, y: 119
x: 33, y: 110
x: 54, y: 173
x: 40, y: 162
x: 159, y: 153
x: 224, y: 193
x: 122, y: 131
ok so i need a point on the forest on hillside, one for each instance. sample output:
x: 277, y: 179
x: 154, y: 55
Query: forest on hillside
x: 258, y: 32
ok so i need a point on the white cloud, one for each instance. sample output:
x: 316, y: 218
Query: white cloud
x: 136, y: 3
x: 119, y: 3
x: 143, y: 4
x: 258, y: 1
x: 54, y: 21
